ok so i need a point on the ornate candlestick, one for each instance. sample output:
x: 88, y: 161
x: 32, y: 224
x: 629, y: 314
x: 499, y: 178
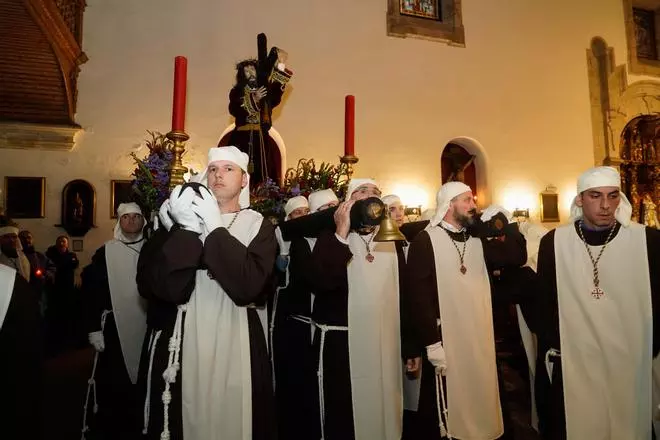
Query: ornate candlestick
x: 349, y: 160
x: 178, y: 135
x: 178, y: 148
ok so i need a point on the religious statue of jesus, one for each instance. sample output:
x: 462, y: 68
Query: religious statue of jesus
x: 258, y: 90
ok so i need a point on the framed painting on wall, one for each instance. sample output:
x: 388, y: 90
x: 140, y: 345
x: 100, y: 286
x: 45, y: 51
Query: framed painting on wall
x: 25, y: 197
x: 121, y: 191
x: 549, y: 207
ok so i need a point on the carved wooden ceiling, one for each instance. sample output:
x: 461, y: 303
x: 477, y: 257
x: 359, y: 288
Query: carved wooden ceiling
x: 40, y: 43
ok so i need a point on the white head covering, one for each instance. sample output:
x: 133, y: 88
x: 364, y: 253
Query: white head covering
x: 355, y: 184
x: 320, y: 198
x: 595, y: 178
x: 391, y: 199
x: 294, y: 203
x: 447, y: 192
x: 231, y: 154
x: 126, y: 208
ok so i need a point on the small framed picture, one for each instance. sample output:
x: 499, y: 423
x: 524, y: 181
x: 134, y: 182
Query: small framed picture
x: 121, y: 191
x: 25, y: 197
x: 549, y: 207
x: 77, y: 245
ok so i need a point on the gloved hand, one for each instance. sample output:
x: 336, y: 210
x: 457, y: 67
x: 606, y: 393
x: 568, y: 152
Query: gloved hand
x: 206, y: 207
x: 164, y: 215
x: 492, y: 210
x: 284, y: 245
x: 97, y: 341
x: 180, y: 209
x: 436, y: 355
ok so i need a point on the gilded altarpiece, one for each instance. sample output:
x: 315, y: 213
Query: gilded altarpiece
x: 640, y: 167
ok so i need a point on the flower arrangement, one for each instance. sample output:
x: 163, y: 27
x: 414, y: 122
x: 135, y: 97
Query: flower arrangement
x: 151, y: 175
x: 269, y: 198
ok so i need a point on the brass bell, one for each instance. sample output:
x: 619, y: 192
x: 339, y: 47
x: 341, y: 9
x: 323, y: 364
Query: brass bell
x: 388, y: 230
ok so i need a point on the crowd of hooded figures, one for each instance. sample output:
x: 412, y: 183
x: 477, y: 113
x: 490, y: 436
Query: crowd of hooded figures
x: 220, y: 327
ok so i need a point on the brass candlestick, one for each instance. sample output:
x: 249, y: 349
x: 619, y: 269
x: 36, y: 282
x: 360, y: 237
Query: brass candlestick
x: 177, y: 170
x: 349, y: 160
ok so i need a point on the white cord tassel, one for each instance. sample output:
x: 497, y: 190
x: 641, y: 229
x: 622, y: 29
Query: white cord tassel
x: 173, y: 367
x: 271, y: 331
x: 153, y: 342
x: 442, y: 410
x: 91, y: 383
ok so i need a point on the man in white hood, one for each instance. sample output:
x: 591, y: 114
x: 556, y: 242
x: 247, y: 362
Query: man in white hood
x: 115, y: 316
x: 356, y: 309
x: 598, y: 318
x: 215, y: 266
x: 449, y: 288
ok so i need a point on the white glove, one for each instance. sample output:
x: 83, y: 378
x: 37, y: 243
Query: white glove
x: 97, y: 341
x: 164, y: 215
x: 492, y: 210
x: 284, y: 245
x: 206, y: 207
x: 436, y: 355
x: 180, y: 209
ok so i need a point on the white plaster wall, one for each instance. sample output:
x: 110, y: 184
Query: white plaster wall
x: 519, y: 89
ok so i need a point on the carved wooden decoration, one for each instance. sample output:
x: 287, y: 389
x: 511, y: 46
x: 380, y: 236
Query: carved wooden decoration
x: 41, y: 45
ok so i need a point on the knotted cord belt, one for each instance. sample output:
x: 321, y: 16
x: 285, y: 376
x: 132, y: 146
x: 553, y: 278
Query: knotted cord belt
x: 442, y: 407
x: 91, y: 382
x: 153, y: 342
x: 319, y: 372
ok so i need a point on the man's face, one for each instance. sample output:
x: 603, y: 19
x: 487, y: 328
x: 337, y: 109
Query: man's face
x: 9, y: 241
x: 463, y: 209
x: 299, y: 212
x: 365, y: 191
x: 250, y: 73
x: 26, y: 239
x: 328, y: 205
x: 397, y: 213
x: 226, y: 179
x: 62, y: 244
x: 131, y: 223
x: 599, y: 205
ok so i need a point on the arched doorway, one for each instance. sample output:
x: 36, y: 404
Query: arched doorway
x: 640, y: 165
x: 275, y: 146
x: 458, y: 166
x: 463, y: 159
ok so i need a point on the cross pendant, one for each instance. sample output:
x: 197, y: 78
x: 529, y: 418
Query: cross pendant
x: 369, y: 257
x: 597, y: 292
x: 463, y: 269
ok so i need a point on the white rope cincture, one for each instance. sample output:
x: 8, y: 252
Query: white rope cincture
x: 91, y: 383
x: 319, y: 372
x: 271, y: 327
x: 153, y: 342
x: 442, y: 407
x: 173, y: 367
x: 271, y: 330
x: 549, y: 366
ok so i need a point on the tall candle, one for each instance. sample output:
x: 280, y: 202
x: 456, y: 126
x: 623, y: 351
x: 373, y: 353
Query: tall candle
x: 349, y: 126
x: 179, y: 102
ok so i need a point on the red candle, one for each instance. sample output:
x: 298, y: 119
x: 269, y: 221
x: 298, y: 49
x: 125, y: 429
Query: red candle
x: 349, y: 126
x: 179, y: 104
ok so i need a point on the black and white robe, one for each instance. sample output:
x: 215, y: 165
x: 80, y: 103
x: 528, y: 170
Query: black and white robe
x: 21, y: 350
x: 456, y: 308
x: 604, y: 375
x: 112, y: 305
x: 223, y: 282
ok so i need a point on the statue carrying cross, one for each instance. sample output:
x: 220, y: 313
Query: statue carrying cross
x: 260, y: 84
